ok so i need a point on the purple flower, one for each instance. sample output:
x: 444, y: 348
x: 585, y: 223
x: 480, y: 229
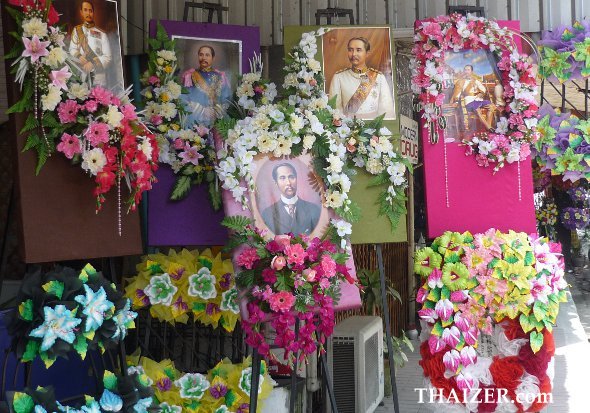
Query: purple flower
x: 212, y: 308
x: 225, y: 281
x: 144, y: 298
x: 218, y: 390
x: 244, y: 408
x: 164, y: 384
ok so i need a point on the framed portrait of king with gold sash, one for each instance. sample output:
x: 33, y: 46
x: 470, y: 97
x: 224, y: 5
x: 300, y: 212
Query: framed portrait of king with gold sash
x: 359, y: 72
x: 93, y: 39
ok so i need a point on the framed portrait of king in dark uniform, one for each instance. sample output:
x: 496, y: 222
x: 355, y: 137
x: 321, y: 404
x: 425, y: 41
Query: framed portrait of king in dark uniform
x: 93, y: 39
x: 359, y: 72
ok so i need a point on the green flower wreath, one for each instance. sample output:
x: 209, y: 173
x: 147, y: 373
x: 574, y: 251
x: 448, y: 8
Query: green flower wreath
x: 425, y: 260
x: 455, y: 276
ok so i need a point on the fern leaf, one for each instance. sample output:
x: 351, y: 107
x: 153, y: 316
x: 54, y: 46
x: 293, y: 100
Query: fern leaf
x: 181, y: 188
x: 236, y: 222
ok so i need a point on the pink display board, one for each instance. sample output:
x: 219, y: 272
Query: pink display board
x: 462, y: 196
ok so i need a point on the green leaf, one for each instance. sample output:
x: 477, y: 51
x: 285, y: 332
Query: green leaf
x: 81, y: 346
x: 31, y: 350
x: 525, y: 323
x: 236, y: 222
x: 42, y: 156
x: 536, y: 341
x: 30, y: 124
x: 215, y: 195
x: 445, y: 293
x: 109, y: 380
x: 340, y: 258
x: 181, y: 187
x: 284, y: 282
x: 22, y: 403
x: 540, y: 310
x: 245, y: 279
x: 26, y: 100
x: 198, y: 307
x: 55, y: 288
x: 25, y: 309
x: 47, y: 359
x: 32, y: 142
x: 437, y: 329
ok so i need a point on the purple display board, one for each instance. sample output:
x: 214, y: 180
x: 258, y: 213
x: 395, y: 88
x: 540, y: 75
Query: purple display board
x: 192, y: 221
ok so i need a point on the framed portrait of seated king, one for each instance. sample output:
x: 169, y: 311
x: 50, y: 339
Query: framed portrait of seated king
x: 211, y: 58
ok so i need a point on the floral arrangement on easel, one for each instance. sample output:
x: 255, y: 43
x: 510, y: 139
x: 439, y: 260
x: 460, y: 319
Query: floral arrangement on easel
x: 223, y: 389
x: 126, y: 394
x: 62, y: 311
x: 287, y: 278
x: 304, y: 122
x: 186, y: 148
x: 515, y: 132
x: 180, y: 284
x: 505, y: 285
x: 89, y: 125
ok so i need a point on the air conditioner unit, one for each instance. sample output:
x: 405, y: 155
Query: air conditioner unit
x: 355, y: 360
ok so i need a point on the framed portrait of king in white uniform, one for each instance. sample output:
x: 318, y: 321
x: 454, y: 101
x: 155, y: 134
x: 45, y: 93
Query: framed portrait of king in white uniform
x: 359, y: 72
x: 93, y: 39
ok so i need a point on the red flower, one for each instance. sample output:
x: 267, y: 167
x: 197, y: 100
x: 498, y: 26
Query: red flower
x: 52, y: 16
x: 507, y: 372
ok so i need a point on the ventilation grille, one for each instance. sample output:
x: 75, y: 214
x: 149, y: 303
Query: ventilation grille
x: 371, y: 371
x: 344, y: 376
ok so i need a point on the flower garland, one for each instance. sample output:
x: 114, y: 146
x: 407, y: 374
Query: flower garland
x: 223, y: 389
x: 565, y: 52
x: 127, y: 394
x: 179, y: 284
x: 61, y: 311
x: 303, y: 123
x: 286, y: 278
x: 93, y: 126
x: 564, y: 144
x: 515, y: 132
x: 186, y: 148
x: 490, y: 283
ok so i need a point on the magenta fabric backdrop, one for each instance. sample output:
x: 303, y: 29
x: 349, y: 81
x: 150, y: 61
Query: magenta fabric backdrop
x: 192, y: 221
x: 478, y: 198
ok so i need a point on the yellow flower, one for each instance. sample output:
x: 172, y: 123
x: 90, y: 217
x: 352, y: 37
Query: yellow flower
x: 168, y: 69
x: 175, y: 127
x: 198, y: 168
x: 164, y: 97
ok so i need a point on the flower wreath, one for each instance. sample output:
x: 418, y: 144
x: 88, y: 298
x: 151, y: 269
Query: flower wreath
x: 515, y: 131
x: 304, y: 123
x: 92, y: 125
x: 288, y: 277
x: 181, y: 283
x: 564, y: 144
x: 61, y: 311
x: 504, y: 284
x: 575, y: 218
x: 547, y: 214
x: 187, y: 150
x: 127, y: 394
x: 223, y: 389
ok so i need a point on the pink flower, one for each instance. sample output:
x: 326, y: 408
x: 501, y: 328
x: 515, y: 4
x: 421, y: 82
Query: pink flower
x: 451, y: 336
x: 328, y: 266
x: 69, y: 145
x: 295, y: 254
x: 278, y: 263
x: 129, y: 112
x: 269, y: 276
x: 435, y: 344
x: 91, y: 105
x: 459, y: 296
x: 283, y: 240
x: 525, y: 151
x: 421, y: 295
x: 178, y: 143
x: 309, y: 274
x: 451, y: 360
x: 466, y: 381
x: 281, y: 301
x: 435, y: 278
x: 324, y: 282
x: 60, y: 77
x: 444, y: 309
x: 156, y: 120
x: 461, y: 321
x: 97, y: 133
x: 34, y: 48
x: 202, y: 130
x: 190, y: 155
x: 428, y: 315
x: 471, y: 336
x: 154, y: 80
x: 67, y: 111
x: 468, y: 356
x: 102, y: 95
x: 248, y: 258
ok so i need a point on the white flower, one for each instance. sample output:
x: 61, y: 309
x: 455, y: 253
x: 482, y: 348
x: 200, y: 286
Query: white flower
x: 266, y: 143
x: 167, y: 55
x: 34, y: 26
x: 308, y: 141
x: 314, y: 65
x: 145, y: 146
x: 296, y: 123
x: 174, y: 89
x: 93, y: 161
x: 168, y: 110
x: 342, y: 227
x: 50, y: 101
x: 228, y: 165
x: 263, y: 122
x: 343, y: 131
x: 78, y: 91
x: 485, y: 147
x: 384, y: 131
x: 334, y: 199
x: 246, y: 103
x: 290, y: 80
x: 342, y: 179
x: 113, y: 117
x: 336, y: 164
x: 502, y: 126
x: 277, y: 115
x: 513, y: 154
x: 251, y: 77
x: 56, y: 57
x: 245, y: 89
x: 283, y: 147
x: 374, y: 166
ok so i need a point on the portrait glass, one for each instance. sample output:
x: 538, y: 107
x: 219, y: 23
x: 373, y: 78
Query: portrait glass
x: 92, y: 28
x: 359, y: 72
x: 210, y: 69
x: 288, y: 196
x: 473, y: 93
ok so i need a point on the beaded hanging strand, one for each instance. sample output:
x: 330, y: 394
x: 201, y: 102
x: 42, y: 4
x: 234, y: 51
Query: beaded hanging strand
x: 519, y: 183
x: 38, y: 114
x: 446, y: 173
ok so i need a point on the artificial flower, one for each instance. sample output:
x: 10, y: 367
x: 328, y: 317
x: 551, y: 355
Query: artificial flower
x: 35, y: 48
x: 96, y: 306
x: 59, y: 322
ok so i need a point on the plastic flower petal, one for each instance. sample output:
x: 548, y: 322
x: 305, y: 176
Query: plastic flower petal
x: 202, y: 284
x: 246, y: 380
x: 34, y: 48
x: 451, y: 336
x: 59, y: 78
x: 425, y: 261
x: 192, y: 385
x: 466, y: 382
x: 435, y: 279
x: 455, y: 276
x: 161, y: 290
x: 444, y: 309
x: 58, y: 323
x: 435, y: 344
x: 110, y: 401
x: 229, y: 301
x: 124, y: 320
x: 451, y: 360
x: 167, y: 408
x: 468, y: 356
x: 428, y: 314
x: 96, y: 306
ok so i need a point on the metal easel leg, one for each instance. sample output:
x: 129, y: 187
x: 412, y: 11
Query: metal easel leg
x: 293, y: 392
x: 328, y: 382
x: 254, y: 381
x: 387, y: 327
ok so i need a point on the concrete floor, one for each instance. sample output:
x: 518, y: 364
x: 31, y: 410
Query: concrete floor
x: 572, y: 358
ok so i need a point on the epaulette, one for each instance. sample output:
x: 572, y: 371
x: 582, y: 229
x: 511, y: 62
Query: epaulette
x: 343, y: 70
x: 374, y: 70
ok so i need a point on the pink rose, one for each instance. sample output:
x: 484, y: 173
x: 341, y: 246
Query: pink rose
x: 178, y: 144
x: 283, y: 240
x: 309, y: 274
x: 154, y: 80
x: 278, y: 263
